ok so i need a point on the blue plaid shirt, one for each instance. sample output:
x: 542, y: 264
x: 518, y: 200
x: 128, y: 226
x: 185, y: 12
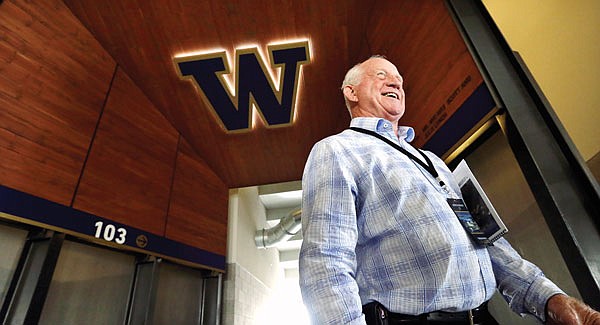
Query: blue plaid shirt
x: 377, y: 227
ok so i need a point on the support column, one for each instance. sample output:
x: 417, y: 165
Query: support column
x: 28, y: 289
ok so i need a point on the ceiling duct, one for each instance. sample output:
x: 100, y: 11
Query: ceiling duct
x: 287, y: 227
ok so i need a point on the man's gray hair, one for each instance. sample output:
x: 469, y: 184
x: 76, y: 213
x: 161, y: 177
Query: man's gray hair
x: 354, y: 76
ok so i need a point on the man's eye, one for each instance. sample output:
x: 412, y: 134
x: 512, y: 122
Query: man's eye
x: 381, y: 75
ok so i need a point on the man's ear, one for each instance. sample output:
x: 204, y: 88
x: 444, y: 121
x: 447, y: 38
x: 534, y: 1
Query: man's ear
x: 350, y: 94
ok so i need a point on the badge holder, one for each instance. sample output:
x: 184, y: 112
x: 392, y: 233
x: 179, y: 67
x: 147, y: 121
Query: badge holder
x: 467, y: 221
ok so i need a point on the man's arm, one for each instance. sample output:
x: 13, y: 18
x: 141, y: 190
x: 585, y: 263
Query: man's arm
x: 327, y: 257
x: 526, y: 289
x: 522, y: 283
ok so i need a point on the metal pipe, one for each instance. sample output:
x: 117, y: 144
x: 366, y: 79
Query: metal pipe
x: 287, y: 227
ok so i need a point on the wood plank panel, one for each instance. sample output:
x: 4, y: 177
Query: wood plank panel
x: 127, y: 177
x: 199, y: 204
x: 147, y: 37
x: 53, y: 80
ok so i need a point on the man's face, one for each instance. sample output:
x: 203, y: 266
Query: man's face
x: 380, y: 92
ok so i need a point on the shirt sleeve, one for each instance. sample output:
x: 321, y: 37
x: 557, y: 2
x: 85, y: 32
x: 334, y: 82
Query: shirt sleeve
x: 327, y: 261
x: 521, y: 283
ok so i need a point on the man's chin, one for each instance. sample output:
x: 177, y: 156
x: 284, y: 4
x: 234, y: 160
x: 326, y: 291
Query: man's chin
x: 396, y: 114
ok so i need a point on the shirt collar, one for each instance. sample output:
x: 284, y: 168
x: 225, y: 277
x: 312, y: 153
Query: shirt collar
x: 381, y: 125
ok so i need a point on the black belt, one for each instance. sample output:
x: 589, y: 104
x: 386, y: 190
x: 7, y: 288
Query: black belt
x: 377, y: 314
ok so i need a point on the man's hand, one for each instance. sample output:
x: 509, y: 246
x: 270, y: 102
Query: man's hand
x: 562, y: 309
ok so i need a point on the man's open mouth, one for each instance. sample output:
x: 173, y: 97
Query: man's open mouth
x: 393, y: 95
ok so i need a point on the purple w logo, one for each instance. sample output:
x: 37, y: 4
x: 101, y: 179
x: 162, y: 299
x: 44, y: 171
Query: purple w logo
x: 253, y: 84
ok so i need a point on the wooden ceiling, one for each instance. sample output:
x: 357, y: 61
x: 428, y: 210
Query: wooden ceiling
x: 144, y: 37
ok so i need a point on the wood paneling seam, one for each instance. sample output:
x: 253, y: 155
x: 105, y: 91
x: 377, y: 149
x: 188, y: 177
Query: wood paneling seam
x: 171, y: 187
x: 87, y: 154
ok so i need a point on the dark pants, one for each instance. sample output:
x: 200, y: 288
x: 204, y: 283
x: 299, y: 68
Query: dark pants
x: 377, y: 314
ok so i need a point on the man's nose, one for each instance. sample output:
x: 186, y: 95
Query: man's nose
x: 395, y: 79
x: 394, y: 82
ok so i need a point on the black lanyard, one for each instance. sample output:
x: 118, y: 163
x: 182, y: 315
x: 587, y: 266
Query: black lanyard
x: 428, y: 167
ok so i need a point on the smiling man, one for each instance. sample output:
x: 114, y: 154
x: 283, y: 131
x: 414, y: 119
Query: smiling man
x: 381, y: 244
x: 380, y: 94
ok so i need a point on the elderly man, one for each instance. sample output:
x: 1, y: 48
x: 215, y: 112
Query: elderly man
x: 381, y: 243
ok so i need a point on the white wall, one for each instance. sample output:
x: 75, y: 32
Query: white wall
x: 246, y: 216
x: 252, y: 274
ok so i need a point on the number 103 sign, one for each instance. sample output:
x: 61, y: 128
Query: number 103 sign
x: 110, y: 233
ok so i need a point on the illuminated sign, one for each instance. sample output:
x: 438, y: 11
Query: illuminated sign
x: 255, y: 87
